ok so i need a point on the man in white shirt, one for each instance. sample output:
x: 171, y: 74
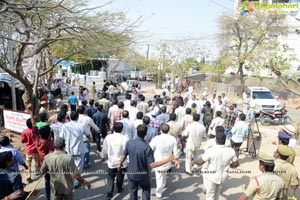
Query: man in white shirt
x: 180, y: 112
x: 252, y: 108
x: 162, y: 146
x: 217, y: 121
x: 132, y: 110
x: 127, y: 101
x: 169, y: 83
x: 191, y: 101
x: 73, y: 133
x: 143, y: 106
x: 219, y: 159
x: 138, y: 121
x: 194, y: 133
x: 246, y: 102
x: 113, y: 147
x: 200, y: 104
x: 187, y: 119
x: 113, y: 108
x: 239, y: 132
x: 88, y: 123
x: 128, y: 126
x: 124, y: 86
x: 224, y: 99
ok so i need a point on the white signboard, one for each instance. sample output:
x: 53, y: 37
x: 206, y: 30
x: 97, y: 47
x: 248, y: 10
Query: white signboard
x: 15, y: 121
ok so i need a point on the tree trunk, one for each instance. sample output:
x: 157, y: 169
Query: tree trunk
x: 30, y: 97
x: 241, y: 77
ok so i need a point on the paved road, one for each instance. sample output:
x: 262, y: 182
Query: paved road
x: 179, y: 185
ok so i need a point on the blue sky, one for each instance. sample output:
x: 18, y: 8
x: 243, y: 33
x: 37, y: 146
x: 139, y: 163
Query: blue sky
x: 174, y: 19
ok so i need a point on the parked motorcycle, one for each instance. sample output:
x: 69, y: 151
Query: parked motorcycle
x: 278, y: 117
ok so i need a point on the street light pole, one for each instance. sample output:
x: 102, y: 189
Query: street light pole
x: 11, y: 64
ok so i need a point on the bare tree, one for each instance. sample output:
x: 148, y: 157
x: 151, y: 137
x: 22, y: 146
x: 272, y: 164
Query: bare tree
x: 39, y: 27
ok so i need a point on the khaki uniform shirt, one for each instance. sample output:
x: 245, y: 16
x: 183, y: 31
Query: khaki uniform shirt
x: 142, y: 107
x: 61, y: 168
x: 175, y: 129
x: 271, y: 187
x: 94, y: 90
x: 288, y: 173
x: 105, y: 103
x: 291, y: 158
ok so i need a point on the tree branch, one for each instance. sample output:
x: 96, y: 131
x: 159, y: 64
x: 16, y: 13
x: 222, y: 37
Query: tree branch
x: 55, y: 64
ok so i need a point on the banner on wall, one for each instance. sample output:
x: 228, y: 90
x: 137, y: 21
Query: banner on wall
x: 15, y: 121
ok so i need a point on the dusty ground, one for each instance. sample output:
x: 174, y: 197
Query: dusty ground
x: 181, y: 185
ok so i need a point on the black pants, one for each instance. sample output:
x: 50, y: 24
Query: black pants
x: 73, y: 107
x: 236, y: 147
x: 134, y: 186
x: 112, y: 173
x: 97, y: 140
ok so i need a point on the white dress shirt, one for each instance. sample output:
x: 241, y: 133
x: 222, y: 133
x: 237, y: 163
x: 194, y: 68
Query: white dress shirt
x: 186, y: 120
x: 128, y: 128
x: 73, y: 132
x: 200, y: 105
x: 190, y: 102
x: 136, y: 123
x: 163, y: 145
x: 113, y: 146
x: 219, y: 158
x: 111, y: 111
x: 218, y: 121
x: 88, y: 123
x: 194, y: 133
x: 126, y: 104
x: 132, y: 113
x: 180, y: 112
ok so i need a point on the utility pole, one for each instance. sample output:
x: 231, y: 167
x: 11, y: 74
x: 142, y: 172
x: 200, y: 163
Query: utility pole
x: 148, y: 49
x: 11, y: 64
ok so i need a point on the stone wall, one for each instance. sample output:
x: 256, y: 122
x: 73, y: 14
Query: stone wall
x: 231, y: 85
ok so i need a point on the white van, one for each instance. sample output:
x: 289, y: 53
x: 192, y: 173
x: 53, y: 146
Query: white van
x: 264, y: 98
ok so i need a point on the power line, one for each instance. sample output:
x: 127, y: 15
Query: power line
x: 221, y: 5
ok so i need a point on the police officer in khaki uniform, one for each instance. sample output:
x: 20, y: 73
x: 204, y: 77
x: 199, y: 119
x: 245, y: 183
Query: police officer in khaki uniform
x: 284, y: 139
x: 286, y: 170
x: 266, y: 185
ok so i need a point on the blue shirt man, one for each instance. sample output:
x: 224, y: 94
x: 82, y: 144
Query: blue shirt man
x: 239, y: 132
x: 18, y: 158
x: 141, y: 161
x: 73, y: 101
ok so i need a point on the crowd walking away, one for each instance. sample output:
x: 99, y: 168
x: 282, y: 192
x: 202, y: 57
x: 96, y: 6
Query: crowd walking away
x: 133, y: 136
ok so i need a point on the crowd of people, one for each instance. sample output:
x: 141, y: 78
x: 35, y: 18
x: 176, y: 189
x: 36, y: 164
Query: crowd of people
x: 133, y: 136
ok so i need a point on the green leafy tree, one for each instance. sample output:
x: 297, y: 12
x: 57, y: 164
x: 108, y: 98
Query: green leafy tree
x: 244, y: 38
x: 280, y: 63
